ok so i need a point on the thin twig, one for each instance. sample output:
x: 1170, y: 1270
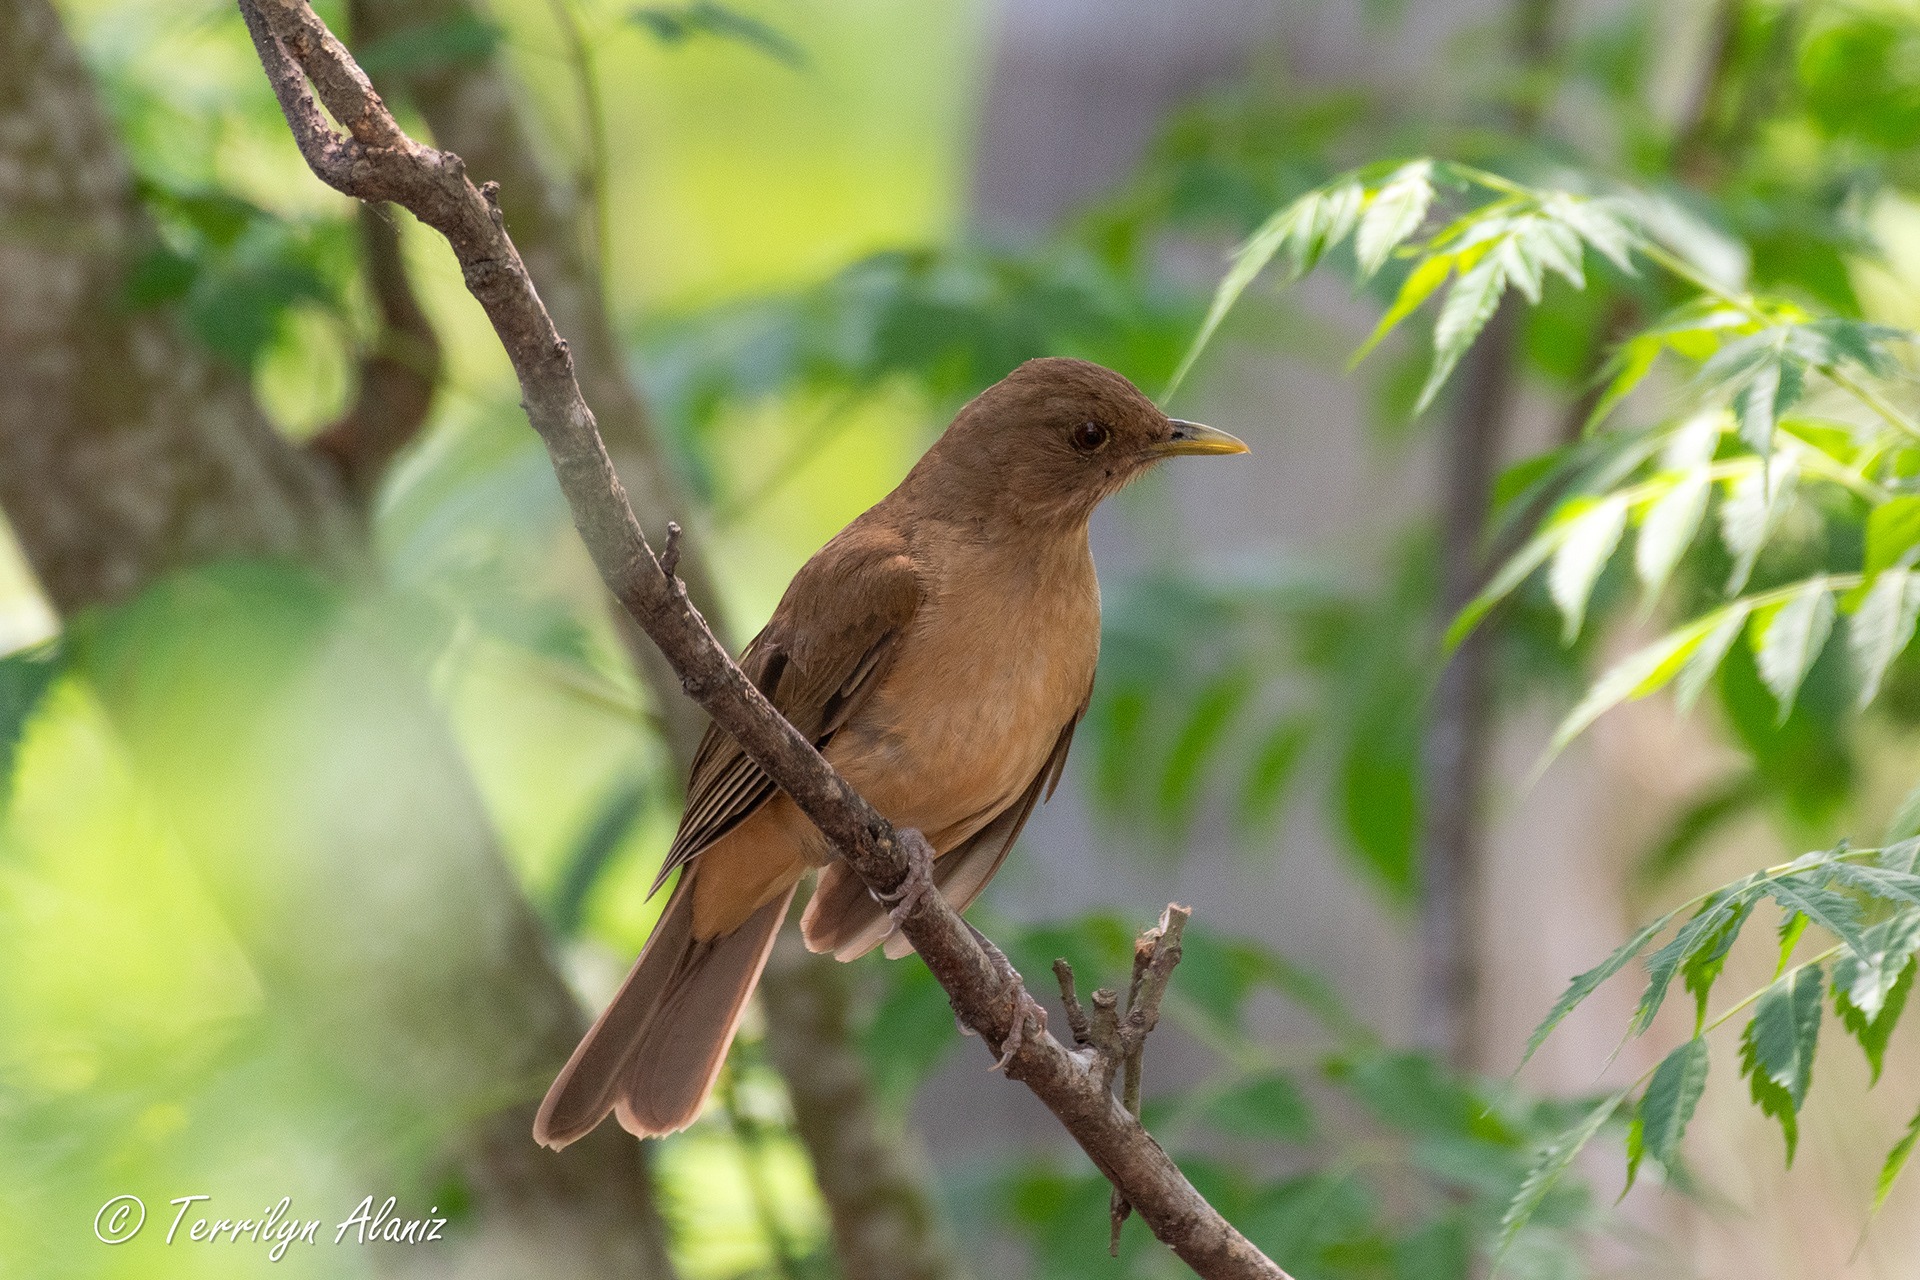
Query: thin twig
x: 379, y: 162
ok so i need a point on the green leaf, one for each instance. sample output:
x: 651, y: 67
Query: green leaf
x: 1510, y: 575
x: 1703, y: 968
x: 1870, y: 991
x: 1630, y: 365
x: 1645, y: 670
x: 1707, y: 657
x: 1394, y: 213
x: 1697, y: 937
x: 1268, y: 1106
x: 25, y: 677
x: 1272, y: 768
x: 1587, y: 983
x: 1589, y: 542
x: 1660, y: 1120
x: 1792, y: 638
x: 1667, y: 530
x: 1469, y: 305
x: 1895, y: 1162
x: 1212, y: 714
x: 1249, y: 260
x: 1905, y: 823
x: 1547, y: 1169
x: 1600, y: 223
x: 1751, y: 513
x: 1838, y: 915
x: 1416, y: 289
x: 676, y: 24
x: 1882, y: 626
x: 1893, y: 529
x: 1885, y: 883
x: 1777, y: 1047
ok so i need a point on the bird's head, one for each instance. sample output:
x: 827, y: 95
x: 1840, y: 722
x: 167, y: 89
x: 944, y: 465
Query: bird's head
x: 1057, y: 436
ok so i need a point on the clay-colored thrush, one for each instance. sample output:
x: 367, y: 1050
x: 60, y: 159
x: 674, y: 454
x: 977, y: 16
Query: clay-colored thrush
x: 939, y: 651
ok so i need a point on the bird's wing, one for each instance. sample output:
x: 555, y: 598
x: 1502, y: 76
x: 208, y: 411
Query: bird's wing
x: 845, y: 919
x: 827, y: 648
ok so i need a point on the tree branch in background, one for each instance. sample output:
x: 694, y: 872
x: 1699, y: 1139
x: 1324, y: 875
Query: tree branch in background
x: 884, y: 1218
x: 397, y: 375
x: 126, y: 453
x: 379, y: 162
x: 469, y: 105
x: 872, y: 1179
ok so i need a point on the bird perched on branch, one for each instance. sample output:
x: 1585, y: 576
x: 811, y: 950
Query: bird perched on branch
x: 939, y: 651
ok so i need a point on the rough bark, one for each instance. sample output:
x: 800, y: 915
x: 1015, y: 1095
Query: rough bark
x: 378, y: 161
x: 885, y: 1222
x: 1459, y: 722
x: 126, y: 453
x: 397, y: 375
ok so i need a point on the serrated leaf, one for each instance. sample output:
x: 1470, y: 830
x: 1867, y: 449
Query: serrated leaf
x: 1882, y: 626
x: 1470, y: 303
x: 1866, y: 981
x: 1583, y: 553
x: 1792, y: 638
x: 1598, y: 223
x: 1754, y: 406
x: 1777, y: 1047
x: 1557, y: 247
x: 1792, y: 926
x: 1695, y: 938
x: 1751, y: 513
x: 1895, y: 1162
x: 1905, y: 822
x: 1395, y: 212
x: 1838, y: 915
x: 1509, y: 575
x: 1660, y: 1120
x: 1885, y: 883
x: 1705, y: 659
x: 1901, y: 854
x: 1630, y: 364
x: 1873, y: 1030
x: 1639, y: 674
x: 1519, y: 262
x: 1331, y: 219
x: 1547, y: 1169
x: 1667, y: 530
x: 1701, y: 970
x: 1414, y: 290
x: 1587, y: 983
x: 1248, y: 261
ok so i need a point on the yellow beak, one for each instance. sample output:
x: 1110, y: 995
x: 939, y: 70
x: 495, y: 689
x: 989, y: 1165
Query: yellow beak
x: 1191, y: 437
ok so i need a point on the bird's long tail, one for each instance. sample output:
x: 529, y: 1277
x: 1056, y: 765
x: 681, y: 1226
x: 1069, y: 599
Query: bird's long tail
x: 654, y: 1054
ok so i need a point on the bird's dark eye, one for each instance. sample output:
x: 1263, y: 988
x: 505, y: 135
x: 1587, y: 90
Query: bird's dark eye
x: 1089, y: 436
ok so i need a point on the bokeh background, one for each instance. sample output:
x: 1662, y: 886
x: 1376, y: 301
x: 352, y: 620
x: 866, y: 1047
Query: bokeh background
x: 334, y: 789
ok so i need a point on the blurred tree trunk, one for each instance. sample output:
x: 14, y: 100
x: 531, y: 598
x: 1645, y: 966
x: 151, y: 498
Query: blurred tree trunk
x: 885, y: 1222
x: 127, y: 453
x: 1460, y: 724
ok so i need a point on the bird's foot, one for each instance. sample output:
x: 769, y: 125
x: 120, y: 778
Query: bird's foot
x: 1024, y: 1005
x: 918, y: 886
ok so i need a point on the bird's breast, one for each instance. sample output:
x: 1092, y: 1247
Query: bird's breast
x: 999, y: 659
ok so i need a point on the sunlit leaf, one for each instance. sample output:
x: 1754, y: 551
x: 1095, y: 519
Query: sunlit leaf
x: 1469, y: 305
x: 1895, y: 1162
x: 1905, y: 822
x: 1667, y: 530
x: 1647, y: 669
x: 1416, y: 289
x: 1880, y: 629
x: 1753, y: 510
x: 1893, y: 529
x: 1660, y: 1120
x: 1599, y: 223
x: 1583, y: 553
x: 1630, y: 366
x: 1706, y: 658
x: 1792, y: 638
x: 1395, y: 212
x: 1249, y: 260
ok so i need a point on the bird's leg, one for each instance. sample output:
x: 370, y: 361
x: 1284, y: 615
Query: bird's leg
x: 910, y: 893
x: 1024, y: 1005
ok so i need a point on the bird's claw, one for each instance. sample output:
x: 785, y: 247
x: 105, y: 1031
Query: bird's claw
x: 918, y: 885
x: 1024, y: 1005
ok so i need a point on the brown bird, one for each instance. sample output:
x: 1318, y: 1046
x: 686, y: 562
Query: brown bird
x: 939, y: 651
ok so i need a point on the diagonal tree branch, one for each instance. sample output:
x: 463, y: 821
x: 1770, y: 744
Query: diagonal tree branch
x: 377, y: 161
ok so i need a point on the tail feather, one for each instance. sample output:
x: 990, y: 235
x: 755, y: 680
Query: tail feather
x: 654, y: 1054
